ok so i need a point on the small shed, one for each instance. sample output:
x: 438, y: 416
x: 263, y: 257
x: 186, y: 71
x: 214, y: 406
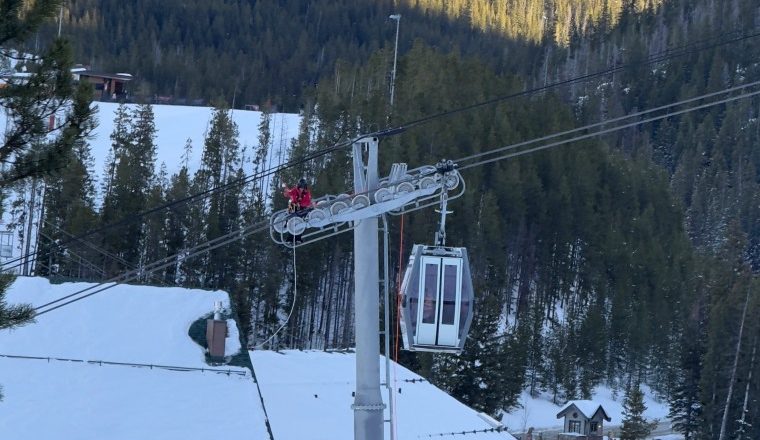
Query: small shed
x: 584, y: 420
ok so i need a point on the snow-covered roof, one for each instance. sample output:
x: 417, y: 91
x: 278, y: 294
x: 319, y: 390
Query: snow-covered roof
x: 17, y: 75
x: 69, y: 397
x: 120, y: 76
x: 586, y: 407
x: 307, y: 394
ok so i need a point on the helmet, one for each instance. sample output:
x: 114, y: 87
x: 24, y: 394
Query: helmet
x: 302, y: 183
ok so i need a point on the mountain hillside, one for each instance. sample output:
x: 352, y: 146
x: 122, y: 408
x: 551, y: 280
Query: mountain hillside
x: 255, y: 51
x: 617, y: 260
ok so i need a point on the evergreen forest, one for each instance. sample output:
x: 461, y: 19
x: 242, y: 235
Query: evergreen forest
x: 622, y: 260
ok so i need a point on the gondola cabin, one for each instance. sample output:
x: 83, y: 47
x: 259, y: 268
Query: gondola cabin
x: 437, y: 299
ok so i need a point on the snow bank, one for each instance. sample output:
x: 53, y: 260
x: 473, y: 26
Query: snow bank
x: 307, y: 395
x: 232, y: 343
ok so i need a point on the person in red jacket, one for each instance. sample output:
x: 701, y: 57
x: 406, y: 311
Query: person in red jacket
x: 299, y: 202
x: 299, y: 197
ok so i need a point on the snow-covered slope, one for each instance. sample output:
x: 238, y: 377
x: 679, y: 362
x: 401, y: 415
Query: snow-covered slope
x: 307, y: 395
x: 136, y: 324
x: 175, y: 124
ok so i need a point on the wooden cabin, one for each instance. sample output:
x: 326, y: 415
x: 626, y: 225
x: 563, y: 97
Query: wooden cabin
x: 584, y: 420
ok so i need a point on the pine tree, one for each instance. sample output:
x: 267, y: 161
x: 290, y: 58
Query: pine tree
x: 178, y: 219
x: 261, y: 153
x: 635, y: 426
x: 154, y: 244
x: 120, y: 141
x: 134, y: 152
x: 69, y: 210
x: 49, y: 92
x: 685, y: 406
x: 28, y: 105
x: 221, y: 165
x: 12, y: 316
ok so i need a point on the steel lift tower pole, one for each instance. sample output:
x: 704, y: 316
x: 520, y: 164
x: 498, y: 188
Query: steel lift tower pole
x: 368, y: 404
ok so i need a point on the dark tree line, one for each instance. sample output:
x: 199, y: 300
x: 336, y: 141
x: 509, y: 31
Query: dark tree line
x: 261, y: 51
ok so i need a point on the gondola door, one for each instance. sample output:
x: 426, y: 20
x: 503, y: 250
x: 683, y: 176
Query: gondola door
x: 440, y: 289
x: 450, y: 297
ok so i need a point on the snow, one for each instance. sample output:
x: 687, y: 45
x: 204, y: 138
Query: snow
x: 232, y: 342
x: 177, y: 123
x: 83, y: 401
x: 307, y: 395
x: 312, y: 387
x: 541, y: 413
x: 136, y: 324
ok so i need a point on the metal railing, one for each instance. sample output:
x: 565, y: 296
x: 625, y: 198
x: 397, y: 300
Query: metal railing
x: 228, y: 372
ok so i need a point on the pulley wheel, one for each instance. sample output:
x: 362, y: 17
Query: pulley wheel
x: 338, y: 207
x: 404, y: 188
x: 383, y: 195
x: 279, y: 222
x: 451, y: 180
x: 359, y: 202
x: 427, y: 182
x: 296, y: 225
x: 317, y: 214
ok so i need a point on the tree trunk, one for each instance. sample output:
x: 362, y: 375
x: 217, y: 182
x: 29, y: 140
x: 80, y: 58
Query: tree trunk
x: 722, y: 435
x: 742, y: 421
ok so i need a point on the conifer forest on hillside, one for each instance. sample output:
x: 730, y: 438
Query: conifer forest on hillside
x: 622, y: 259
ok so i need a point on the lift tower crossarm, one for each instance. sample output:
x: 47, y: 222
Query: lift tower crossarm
x: 401, y: 192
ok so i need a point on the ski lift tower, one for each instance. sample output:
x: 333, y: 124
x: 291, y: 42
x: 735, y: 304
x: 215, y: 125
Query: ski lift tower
x: 402, y: 191
x: 368, y: 404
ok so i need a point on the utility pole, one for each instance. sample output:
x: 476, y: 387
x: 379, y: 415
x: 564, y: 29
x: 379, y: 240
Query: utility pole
x: 60, y: 21
x: 368, y: 404
x: 737, y: 354
x: 396, y: 17
x: 28, y: 232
